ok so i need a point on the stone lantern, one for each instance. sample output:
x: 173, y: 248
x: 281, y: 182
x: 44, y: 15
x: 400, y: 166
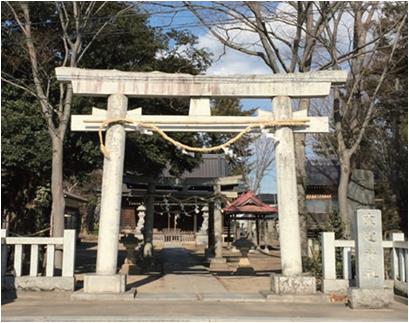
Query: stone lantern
x: 129, y: 266
x: 244, y: 245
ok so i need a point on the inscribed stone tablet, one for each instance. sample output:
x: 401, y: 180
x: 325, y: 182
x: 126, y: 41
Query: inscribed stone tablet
x: 369, y: 251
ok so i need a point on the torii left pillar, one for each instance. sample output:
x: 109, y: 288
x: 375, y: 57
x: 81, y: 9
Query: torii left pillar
x: 106, y: 279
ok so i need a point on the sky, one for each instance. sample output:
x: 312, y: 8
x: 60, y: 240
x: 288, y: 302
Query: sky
x: 230, y: 61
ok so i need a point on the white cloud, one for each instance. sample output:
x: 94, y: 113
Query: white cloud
x: 231, y: 61
x: 235, y: 62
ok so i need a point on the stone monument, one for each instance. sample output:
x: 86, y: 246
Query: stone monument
x: 369, y: 291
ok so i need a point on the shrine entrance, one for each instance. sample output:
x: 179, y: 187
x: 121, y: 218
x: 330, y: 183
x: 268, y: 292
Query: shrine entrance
x: 282, y: 122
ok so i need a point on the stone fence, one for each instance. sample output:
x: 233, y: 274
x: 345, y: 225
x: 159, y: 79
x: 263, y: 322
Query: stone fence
x: 173, y: 237
x: 19, y: 277
x: 331, y: 283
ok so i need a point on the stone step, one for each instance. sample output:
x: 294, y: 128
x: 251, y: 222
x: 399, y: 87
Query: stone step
x: 232, y: 297
x: 292, y: 298
x: 166, y: 297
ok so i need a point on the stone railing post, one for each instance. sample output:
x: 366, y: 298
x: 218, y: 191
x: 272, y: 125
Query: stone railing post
x: 328, y: 255
x: 3, y: 254
x: 396, y: 236
x: 347, y: 263
x: 68, y: 262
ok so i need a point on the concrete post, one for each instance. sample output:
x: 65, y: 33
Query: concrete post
x: 106, y: 279
x: 68, y: 261
x: 111, y: 194
x: 328, y: 255
x: 218, y: 262
x: 396, y: 236
x: 218, y: 230
x: 3, y: 254
x: 210, y: 232
x: 148, y: 228
x: 290, y: 243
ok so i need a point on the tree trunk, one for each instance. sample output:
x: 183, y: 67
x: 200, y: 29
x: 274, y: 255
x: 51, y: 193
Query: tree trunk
x: 345, y: 172
x: 58, y: 202
x: 299, y: 140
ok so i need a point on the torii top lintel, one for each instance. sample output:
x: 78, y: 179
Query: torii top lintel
x: 157, y: 84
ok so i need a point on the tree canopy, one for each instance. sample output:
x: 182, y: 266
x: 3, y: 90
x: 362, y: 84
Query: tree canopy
x: 127, y: 43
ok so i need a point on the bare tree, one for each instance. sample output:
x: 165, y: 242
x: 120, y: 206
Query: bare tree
x: 354, y: 109
x: 354, y: 106
x: 74, y: 19
x: 281, y: 53
x: 259, y: 162
x: 305, y: 36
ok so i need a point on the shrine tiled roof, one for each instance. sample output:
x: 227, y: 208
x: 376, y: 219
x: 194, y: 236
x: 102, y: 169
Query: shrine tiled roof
x: 250, y: 204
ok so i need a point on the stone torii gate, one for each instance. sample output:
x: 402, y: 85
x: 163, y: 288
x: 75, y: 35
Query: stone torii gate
x: 118, y: 86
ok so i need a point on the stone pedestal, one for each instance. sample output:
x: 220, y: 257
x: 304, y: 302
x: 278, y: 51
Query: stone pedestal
x: 218, y: 264
x: 335, y: 286
x: 244, y: 267
x: 95, y: 284
x: 371, y: 298
x: 299, y: 285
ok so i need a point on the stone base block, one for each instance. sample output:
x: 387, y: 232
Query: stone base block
x: 371, y: 298
x: 399, y: 285
x: 335, y: 286
x: 218, y: 264
x: 317, y: 298
x: 126, y: 296
x: 299, y: 285
x: 39, y: 283
x: 99, y: 284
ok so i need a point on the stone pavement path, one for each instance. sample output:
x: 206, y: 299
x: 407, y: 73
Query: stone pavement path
x: 53, y: 306
x: 183, y: 272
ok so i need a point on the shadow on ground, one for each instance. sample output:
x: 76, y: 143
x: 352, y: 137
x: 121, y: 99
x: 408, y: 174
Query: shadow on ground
x: 173, y: 260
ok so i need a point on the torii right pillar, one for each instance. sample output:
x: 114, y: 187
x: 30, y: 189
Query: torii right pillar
x: 291, y: 281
